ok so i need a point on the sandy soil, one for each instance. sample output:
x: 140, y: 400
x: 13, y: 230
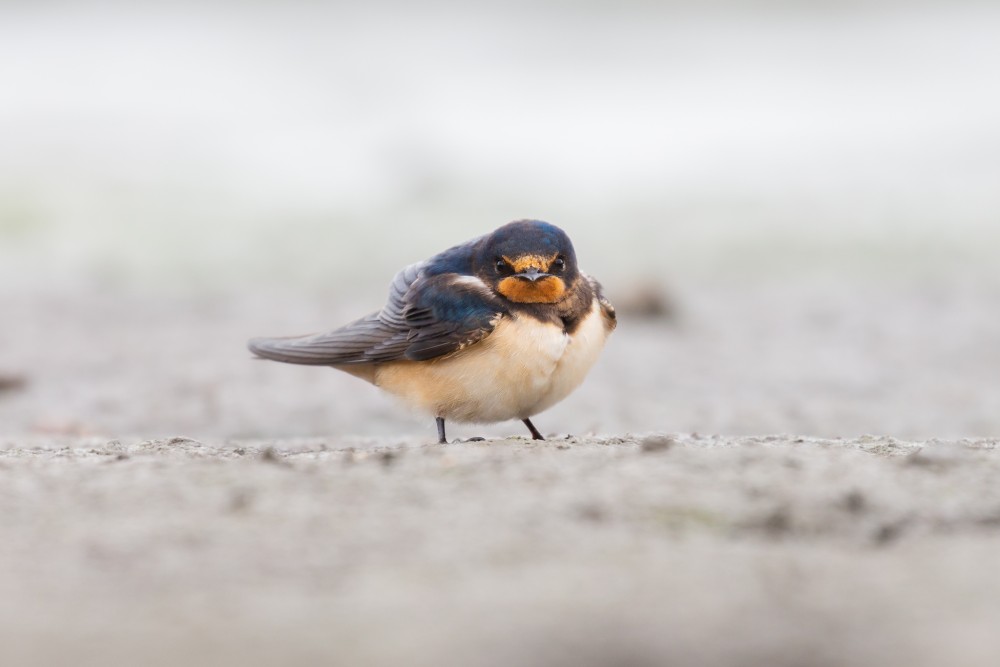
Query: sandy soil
x: 644, y: 550
x: 830, y: 358
x: 306, y: 519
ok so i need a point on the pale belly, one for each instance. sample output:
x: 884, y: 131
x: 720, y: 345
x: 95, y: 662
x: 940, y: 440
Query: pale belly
x: 519, y: 370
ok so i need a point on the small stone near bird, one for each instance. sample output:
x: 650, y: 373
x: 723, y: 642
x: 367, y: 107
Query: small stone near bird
x: 656, y: 443
x: 12, y: 382
x: 647, y: 301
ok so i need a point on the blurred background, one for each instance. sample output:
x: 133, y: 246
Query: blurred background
x: 794, y: 205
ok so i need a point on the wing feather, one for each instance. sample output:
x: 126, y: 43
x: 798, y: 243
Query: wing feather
x: 425, y: 317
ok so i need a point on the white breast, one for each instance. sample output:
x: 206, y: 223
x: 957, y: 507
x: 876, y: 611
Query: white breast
x: 579, y: 355
x: 522, y: 368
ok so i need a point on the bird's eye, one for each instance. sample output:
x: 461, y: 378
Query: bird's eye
x: 501, y: 265
x: 559, y: 264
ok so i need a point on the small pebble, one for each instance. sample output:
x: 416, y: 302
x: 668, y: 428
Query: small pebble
x: 656, y: 443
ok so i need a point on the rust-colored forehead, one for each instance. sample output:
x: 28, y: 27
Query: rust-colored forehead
x: 524, y: 262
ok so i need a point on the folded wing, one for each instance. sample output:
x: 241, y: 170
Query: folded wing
x: 426, y: 316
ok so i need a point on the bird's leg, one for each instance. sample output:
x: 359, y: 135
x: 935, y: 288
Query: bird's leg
x: 441, y: 439
x: 535, y: 435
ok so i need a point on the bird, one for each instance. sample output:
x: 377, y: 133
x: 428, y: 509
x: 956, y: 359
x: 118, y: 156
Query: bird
x: 499, y: 328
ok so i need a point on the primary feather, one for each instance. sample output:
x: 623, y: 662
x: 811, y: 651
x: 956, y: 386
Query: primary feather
x: 432, y: 310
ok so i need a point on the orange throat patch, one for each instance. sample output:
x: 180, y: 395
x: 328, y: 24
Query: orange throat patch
x: 545, y: 290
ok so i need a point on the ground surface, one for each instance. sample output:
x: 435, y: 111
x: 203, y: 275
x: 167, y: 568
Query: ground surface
x: 827, y: 357
x: 167, y: 500
x: 644, y: 550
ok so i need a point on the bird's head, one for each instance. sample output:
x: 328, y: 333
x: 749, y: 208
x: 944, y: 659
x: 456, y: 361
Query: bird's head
x: 528, y: 261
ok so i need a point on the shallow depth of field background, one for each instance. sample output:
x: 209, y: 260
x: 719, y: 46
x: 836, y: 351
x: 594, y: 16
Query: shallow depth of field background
x: 807, y: 193
x: 785, y: 457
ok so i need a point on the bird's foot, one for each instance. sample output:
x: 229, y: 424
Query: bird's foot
x: 535, y: 435
x: 442, y: 440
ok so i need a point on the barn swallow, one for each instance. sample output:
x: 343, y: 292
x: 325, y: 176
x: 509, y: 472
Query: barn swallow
x: 501, y: 327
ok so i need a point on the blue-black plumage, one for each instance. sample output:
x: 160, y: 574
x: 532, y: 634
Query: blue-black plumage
x: 497, y: 328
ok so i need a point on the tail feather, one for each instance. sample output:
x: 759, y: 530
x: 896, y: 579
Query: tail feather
x: 347, y: 346
x: 298, y: 350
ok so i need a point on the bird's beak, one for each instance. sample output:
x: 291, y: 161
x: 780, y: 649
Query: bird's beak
x: 532, y: 274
